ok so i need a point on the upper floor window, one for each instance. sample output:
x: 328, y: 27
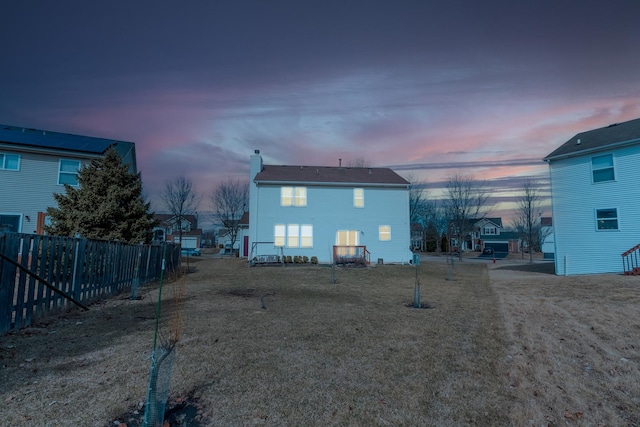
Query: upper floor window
x: 9, y: 161
x: 68, y: 172
x: 384, y: 232
x: 293, y: 196
x: 602, y: 168
x: 607, y: 219
x: 490, y: 230
x: 358, y: 197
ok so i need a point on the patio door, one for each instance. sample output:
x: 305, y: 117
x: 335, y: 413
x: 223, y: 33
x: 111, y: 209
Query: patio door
x: 346, y: 238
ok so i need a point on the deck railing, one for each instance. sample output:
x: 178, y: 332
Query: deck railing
x: 351, y: 255
x: 631, y: 261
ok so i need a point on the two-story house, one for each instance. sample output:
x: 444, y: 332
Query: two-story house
x: 488, y: 233
x: 595, y: 195
x: 35, y: 164
x: 328, y: 212
x: 168, y: 230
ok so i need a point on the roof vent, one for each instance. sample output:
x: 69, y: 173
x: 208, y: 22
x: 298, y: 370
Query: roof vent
x: 578, y: 141
x: 301, y: 167
x: 612, y: 125
x: 369, y: 171
x: 339, y: 162
x: 256, y: 151
x: 317, y: 172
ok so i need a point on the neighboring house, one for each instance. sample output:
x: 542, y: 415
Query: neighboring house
x: 35, y: 164
x: 488, y: 233
x: 595, y: 192
x: 243, y: 235
x: 547, y: 245
x: 328, y: 212
x: 168, y: 230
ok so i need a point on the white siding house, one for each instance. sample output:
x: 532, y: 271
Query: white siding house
x: 35, y: 164
x: 310, y: 210
x: 595, y: 193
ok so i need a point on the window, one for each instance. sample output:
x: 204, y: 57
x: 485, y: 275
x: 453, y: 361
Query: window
x: 489, y: 230
x: 358, y: 197
x: 293, y: 196
x: 306, y: 236
x: 347, y: 237
x: 278, y: 235
x: 293, y: 235
x: 10, y: 161
x: 10, y: 223
x: 602, y: 168
x: 607, y: 219
x: 384, y: 232
x: 68, y: 172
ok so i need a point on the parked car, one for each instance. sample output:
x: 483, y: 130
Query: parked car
x: 488, y: 251
x: 190, y: 252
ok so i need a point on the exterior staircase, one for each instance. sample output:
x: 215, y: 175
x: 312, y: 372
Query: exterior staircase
x: 631, y: 261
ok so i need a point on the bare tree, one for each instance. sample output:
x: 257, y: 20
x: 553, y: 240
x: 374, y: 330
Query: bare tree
x: 528, y: 213
x: 436, y: 222
x: 180, y: 199
x: 417, y: 199
x: 230, y: 200
x: 466, y: 204
x: 359, y: 162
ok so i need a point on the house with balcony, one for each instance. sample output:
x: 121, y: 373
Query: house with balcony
x: 35, y: 164
x: 594, y: 194
x: 336, y: 214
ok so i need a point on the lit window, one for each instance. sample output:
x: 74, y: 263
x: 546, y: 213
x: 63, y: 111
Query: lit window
x: 301, y: 196
x: 306, y: 236
x: 293, y: 235
x: 602, y: 168
x: 347, y: 238
x: 385, y: 232
x: 607, y: 219
x: 68, y: 172
x: 10, y: 161
x: 293, y: 196
x: 278, y: 235
x: 358, y: 197
x: 286, y: 196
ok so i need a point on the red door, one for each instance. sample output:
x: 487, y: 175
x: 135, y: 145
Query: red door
x: 245, y: 251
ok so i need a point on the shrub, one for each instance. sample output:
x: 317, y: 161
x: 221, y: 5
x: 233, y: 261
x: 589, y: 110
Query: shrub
x: 287, y: 259
x: 305, y: 259
x: 314, y: 260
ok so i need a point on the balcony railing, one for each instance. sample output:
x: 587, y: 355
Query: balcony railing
x: 358, y: 255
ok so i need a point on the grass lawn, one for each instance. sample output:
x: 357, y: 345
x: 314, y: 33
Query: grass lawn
x: 349, y: 353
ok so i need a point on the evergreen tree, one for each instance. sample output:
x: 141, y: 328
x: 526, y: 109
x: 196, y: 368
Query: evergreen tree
x: 107, y: 204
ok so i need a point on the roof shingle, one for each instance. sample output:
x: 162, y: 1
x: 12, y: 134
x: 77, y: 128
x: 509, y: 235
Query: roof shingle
x: 329, y: 175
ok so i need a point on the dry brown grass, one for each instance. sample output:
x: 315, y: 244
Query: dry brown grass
x: 352, y: 353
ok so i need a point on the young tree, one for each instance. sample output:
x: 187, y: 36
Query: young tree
x: 528, y: 213
x: 466, y: 203
x: 107, y: 204
x: 181, y: 199
x: 230, y: 200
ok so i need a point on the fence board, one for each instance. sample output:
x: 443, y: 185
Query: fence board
x: 86, y: 270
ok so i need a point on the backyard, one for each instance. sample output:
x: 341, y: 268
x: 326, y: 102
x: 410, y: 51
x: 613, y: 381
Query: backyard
x: 498, y: 344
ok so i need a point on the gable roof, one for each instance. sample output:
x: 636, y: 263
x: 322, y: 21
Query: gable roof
x: 329, y: 175
x: 27, y: 138
x: 612, y: 136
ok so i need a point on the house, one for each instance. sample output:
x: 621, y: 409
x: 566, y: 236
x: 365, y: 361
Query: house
x: 168, y: 230
x: 35, y: 164
x: 595, y: 192
x: 487, y: 233
x: 332, y: 213
x: 547, y: 245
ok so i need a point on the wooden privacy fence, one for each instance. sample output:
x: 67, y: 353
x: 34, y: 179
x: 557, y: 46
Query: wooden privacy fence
x: 42, y: 274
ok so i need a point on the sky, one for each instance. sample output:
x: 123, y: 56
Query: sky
x: 431, y: 89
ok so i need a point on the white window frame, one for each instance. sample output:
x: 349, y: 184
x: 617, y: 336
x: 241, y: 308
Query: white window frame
x: 293, y: 196
x: 358, y: 197
x: 384, y: 233
x: 598, y: 167
x: 68, y: 173
x: 306, y: 236
x: 293, y: 235
x: 4, y: 161
x: 279, y: 235
x: 347, y: 238
x: 602, y: 219
x: 12, y: 214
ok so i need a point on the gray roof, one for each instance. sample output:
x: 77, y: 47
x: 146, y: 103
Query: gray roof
x: 612, y: 136
x: 35, y: 138
x: 329, y: 175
